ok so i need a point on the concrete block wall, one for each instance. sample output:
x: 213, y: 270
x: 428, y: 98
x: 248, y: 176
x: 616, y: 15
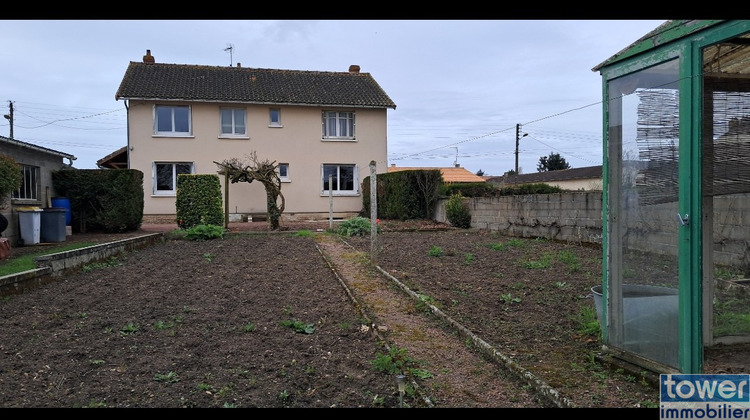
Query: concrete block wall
x: 573, y: 217
x: 577, y: 217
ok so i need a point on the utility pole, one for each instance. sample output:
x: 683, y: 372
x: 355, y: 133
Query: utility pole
x: 9, y: 117
x: 518, y: 138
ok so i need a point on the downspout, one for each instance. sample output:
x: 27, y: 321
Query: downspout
x: 127, y: 116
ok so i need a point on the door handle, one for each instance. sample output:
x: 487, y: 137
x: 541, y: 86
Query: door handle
x: 683, y: 220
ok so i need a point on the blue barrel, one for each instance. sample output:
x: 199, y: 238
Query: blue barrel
x: 63, y: 202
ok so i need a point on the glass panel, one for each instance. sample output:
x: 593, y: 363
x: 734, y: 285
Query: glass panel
x: 343, y: 126
x: 275, y: 116
x: 184, y: 168
x: 33, y: 183
x: 346, y: 173
x: 239, y: 121
x: 226, y: 121
x: 164, y: 177
x: 329, y: 170
x: 643, y: 223
x: 331, y: 123
x: 182, y: 119
x: 726, y: 192
x: 163, y: 118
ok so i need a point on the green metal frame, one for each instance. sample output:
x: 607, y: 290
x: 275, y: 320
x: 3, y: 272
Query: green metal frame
x: 684, y: 40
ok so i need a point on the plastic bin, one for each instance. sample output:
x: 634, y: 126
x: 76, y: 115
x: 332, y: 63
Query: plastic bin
x: 29, y: 222
x: 63, y: 202
x: 53, y: 225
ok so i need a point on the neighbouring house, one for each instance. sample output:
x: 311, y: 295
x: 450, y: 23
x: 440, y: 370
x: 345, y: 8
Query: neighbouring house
x: 115, y: 160
x: 588, y: 178
x: 182, y: 119
x: 450, y: 174
x: 37, y: 164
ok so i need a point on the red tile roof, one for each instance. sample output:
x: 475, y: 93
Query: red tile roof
x: 450, y: 174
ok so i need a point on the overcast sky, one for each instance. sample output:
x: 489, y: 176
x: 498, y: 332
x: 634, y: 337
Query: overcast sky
x: 460, y: 87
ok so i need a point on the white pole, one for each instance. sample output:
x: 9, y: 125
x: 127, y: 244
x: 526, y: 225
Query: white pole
x: 330, y: 201
x: 373, y: 213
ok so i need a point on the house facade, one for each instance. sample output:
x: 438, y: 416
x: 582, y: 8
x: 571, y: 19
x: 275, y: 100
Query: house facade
x: 322, y: 129
x: 37, y: 164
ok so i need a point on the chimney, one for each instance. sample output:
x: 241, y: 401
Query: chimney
x: 354, y: 68
x: 239, y: 65
x: 148, y: 58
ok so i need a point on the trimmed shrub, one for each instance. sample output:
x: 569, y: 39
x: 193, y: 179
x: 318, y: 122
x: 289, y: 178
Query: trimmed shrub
x: 198, y: 201
x: 457, y: 211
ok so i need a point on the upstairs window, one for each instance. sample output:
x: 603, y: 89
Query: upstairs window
x: 274, y: 117
x: 29, y: 189
x: 342, y: 179
x: 172, y: 120
x: 233, y: 122
x: 338, y: 125
x: 165, y: 176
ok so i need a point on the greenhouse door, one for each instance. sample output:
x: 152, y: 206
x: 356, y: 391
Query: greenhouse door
x: 644, y: 218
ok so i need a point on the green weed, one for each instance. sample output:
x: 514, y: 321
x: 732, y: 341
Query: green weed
x: 110, y: 262
x: 204, y: 232
x: 588, y: 322
x: 544, y: 262
x: 249, y: 327
x: 435, y: 251
x: 170, y: 377
x: 508, y: 298
x: 299, y: 326
x: 356, y: 226
x: 397, y: 361
x: 95, y: 404
x: 129, y: 329
x: 205, y: 387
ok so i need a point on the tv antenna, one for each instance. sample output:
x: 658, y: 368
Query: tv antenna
x: 455, y: 162
x: 229, y: 48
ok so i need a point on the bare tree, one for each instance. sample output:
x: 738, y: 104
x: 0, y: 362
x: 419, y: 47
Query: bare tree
x: 263, y: 171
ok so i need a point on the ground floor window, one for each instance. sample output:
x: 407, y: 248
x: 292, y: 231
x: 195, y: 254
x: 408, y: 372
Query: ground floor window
x: 341, y: 179
x: 165, y: 176
x: 29, y: 189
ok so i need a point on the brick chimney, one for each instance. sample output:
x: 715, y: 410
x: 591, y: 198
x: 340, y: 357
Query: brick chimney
x: 354, y: 68
x: 148, y: 58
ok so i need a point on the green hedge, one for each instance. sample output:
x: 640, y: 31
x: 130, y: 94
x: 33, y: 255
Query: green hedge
x: 198, y: 201
x: 102, y: 199
x: 404, y: 195
x: 489, y: 189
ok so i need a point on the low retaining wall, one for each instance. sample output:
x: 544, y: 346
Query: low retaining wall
x: 51, y: 266
x: 569, y: 216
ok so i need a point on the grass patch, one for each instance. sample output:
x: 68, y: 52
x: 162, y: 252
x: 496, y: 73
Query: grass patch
x: 26, y: 262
